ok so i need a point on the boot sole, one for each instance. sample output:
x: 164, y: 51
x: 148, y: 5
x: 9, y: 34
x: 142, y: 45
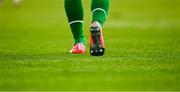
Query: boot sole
x: 96, y: 49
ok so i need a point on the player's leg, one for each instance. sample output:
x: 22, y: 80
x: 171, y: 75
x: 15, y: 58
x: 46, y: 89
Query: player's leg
x: 99, y: 9
x: 74, y: 12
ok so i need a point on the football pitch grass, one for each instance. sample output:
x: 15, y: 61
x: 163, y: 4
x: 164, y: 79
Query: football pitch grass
x: 142, y: 47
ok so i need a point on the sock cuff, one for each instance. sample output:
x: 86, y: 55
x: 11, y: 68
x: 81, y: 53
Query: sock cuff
x: 76, y: 21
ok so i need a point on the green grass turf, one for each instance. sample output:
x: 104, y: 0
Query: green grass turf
x: 142, y: 47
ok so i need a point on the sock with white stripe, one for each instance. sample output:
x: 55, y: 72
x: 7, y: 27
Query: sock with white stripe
x: 75, y: 14
x: 99, y: 9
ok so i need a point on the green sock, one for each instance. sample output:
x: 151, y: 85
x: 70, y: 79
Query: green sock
x: 99, y: 9
x: 75, y: 14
